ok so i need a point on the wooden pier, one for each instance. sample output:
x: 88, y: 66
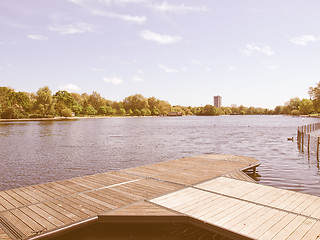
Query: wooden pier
x: 208, y: 191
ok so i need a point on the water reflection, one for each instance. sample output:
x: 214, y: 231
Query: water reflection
x: 38, y: 152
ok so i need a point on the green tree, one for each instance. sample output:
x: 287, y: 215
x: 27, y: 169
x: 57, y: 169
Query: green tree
x: 314, y: 93
x: 136, y: 101
x: 306, y: 106
x: 122, y: 112
x: 44, y: 102
x: 96, y: 100
x: 293, y: 103
x: 89, y: 110
x: 66, y: 112
x: 130, y: 112
x: 136, y: 112
x: 278, y: 110
x: 102, y: 110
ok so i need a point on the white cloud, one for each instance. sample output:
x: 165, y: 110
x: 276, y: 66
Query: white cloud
x: 129, y: 18
x: 305, y: 39
x: 37, y: 37
x: 159, y: 38
x: 231, y: 68
x: 70, y: 88
x: 137, y: 78
x: 171, y: 70
x: 115, y: 80
x: 72, y: 28
x: 251, y: 48
x: 167, y: 7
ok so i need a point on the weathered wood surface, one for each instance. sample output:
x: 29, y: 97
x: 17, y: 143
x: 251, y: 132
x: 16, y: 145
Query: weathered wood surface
x: 38, y: 209
x: 248, y: 209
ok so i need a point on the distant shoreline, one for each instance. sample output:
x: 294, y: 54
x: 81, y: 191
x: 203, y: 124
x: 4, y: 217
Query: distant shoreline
x: 105, y: 117
x: 66, y: 118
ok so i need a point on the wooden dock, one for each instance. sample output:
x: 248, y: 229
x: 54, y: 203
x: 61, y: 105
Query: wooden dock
x: 208, y: 191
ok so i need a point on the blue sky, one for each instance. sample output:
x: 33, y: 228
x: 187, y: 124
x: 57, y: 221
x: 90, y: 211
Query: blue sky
x: 252, y: 52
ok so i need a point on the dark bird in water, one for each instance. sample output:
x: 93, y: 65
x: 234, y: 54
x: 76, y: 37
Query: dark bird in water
x: 290, y: 139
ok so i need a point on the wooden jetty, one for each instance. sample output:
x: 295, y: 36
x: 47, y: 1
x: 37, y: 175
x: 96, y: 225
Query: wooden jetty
x: 210, y: 191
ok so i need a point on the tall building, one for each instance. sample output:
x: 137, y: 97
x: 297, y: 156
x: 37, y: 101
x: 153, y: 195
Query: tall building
x: 217, y: 101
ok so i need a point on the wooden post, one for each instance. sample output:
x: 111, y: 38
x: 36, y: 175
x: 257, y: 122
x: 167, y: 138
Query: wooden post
x: 318, y: 148
x: 302, y: 138
x: 308, y: 144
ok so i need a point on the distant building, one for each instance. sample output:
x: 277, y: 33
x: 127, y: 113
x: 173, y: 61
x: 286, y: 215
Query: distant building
x: 217, y: 101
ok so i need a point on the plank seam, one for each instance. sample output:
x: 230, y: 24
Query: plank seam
x: 264, y: 205
x: 11, y: 230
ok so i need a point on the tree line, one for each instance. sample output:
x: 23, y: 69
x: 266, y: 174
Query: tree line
x: 45, y: 104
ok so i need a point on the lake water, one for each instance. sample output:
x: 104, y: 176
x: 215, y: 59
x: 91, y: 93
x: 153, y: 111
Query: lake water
x: 39, y: 152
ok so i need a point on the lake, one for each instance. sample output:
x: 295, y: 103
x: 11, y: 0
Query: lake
x: 43, y: 151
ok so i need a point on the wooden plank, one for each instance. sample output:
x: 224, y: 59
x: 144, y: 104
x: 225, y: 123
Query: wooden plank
x: 17, y: 197
x: 55, y: 221
x: 276, y: 228
x: 173, y: 196
x: 290, y: 228
x: 312, y: 208
x: 300, y: 209
x: 198, y: 204
x: 219, y: 210
x: 45, y: 192
x: 245, y: 216
x: 76, y: 187
x: 92, y: 204
x: 259, y: 230
x: 27, y: 220
x: 313, y: 233
x: 25, y: 196
x: 6, y: 204
x: 175, y: 199
x: 2, y: 208
x: 96, y: 200
x: 104, y: 198
x: 224, y: 216
x: 18, y: 223
x: 44, y: 223
x: 55, y: 211
x: 10, y: 199
x: 257, y: 222
x: 75, y: 208
x: 232, y: 213
x: 297, y: 202
x: 302, y: 229
x: 3, y: 235
x: 35, y: 192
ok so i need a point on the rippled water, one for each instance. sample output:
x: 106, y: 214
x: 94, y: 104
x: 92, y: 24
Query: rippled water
x: 38, y: 152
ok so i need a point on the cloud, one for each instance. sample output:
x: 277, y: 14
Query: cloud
x: 159, y: 38
x: 128, y: 18
x: 37, y: 37
x: 115, y: 80
x: 171, y: 70
x: 251, y: 48
x: 137, y: 78
x: 72, y: 28
x: 167, y: 7
x: 231, y: 68
x: 70, y: 88
x: 305, y: 39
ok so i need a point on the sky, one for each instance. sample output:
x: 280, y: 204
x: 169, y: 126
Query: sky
x: 257, y: 53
